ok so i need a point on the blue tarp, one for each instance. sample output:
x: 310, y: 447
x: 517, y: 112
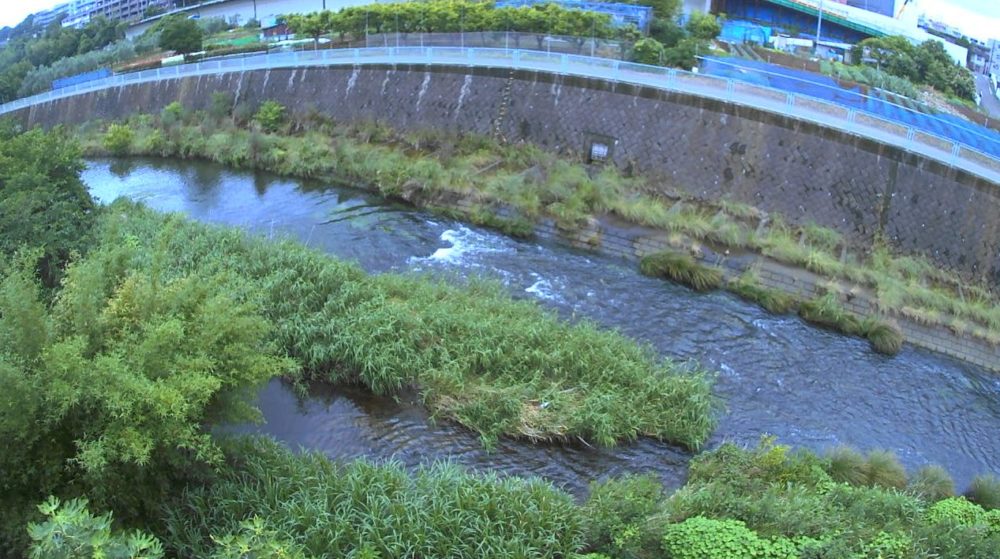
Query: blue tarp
x: 745, y: 32
x: 863, y: 98
x: 82, y: 78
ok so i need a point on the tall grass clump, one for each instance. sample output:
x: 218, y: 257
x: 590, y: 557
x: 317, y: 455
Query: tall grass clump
x: 498, y: 366
x: 882, y: 469
x: 846, y: 465
x: 748, y: 287
x: 363, y: 509
x: 884, y: 337
x: 985, y: 491
x: 681, y: 268
x: 932, y: 483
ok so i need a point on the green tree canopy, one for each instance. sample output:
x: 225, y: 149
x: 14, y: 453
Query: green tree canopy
x: 42, y: 200
x: 181, y: 35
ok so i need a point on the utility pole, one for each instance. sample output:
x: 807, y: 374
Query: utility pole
x: 819, y: 27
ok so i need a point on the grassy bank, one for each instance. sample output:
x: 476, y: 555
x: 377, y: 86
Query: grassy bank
x: 429, y: 167
x: 497, y: 366
x: 758, y: 503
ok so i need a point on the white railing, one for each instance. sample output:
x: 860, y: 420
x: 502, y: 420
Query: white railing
x: 826, y: 113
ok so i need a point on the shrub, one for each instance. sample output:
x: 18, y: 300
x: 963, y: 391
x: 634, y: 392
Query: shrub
x: 118, y: 139
x: 681, y: 268
x: 705, y: 538
x: 222, y: 105
x: 270, y: 116
x: 956, y: 510
x: 617, y: 506
x: 932, y: 483
x: 648, y: 51
x: 886, y: 545
x: 71, y: 531
x: 985, y: 491
x: 172, y: 114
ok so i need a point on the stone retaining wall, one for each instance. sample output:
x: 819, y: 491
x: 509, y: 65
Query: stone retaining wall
x: 706, y: 148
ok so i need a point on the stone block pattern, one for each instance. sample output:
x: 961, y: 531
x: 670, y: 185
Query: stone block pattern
x: 706, y: 148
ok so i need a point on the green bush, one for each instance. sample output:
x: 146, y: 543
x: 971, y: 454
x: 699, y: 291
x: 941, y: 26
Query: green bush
x: 70, y: 531
x: 985, y: 491
x: 616, y: 508
x: 956, y: 510
x: 648, y: 51
x: 681, y: 268
x: 172, y: 115
x: 704, y: 538
x: 270, y: 116
x: 118, y: 139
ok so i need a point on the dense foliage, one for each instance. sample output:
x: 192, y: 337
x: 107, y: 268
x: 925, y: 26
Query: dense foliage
x: 926, y: 63
x: 498, y: 366
x: 450, y: 16
x: 180, y: 34
x: 42, y: 201
x: 31, y: 47
x: 367, y: 510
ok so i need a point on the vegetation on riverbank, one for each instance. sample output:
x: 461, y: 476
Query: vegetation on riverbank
x: 764, y: 502
x: 436, y: 169
x: 160, y: 329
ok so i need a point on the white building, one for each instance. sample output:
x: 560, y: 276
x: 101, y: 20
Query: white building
x: 79, y: 13
x: 44, y: 19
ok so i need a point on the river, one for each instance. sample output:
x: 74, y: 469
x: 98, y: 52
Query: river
x: 776, y: 374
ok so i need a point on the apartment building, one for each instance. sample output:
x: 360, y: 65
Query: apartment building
x: 44, y: 19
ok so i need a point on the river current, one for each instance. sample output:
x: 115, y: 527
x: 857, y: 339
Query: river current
x: 776, y: 374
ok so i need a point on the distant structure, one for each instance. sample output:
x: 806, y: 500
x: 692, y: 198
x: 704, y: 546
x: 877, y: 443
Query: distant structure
x: 845, y: 22
x: 45, y: 18
x: 79, y: 12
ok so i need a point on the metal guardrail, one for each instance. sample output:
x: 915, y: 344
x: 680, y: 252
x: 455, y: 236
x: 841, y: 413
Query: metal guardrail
x: 940, y: 148
x: 849, y: 98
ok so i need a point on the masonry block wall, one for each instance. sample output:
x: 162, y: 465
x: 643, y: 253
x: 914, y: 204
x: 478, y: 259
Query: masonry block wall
x: 707, y: 148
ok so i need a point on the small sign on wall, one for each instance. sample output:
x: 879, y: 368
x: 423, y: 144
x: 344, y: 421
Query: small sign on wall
x: 599, y: 148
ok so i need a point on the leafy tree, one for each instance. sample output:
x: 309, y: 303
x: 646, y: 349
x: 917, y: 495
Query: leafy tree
x: 314, y: 25
x: 181, y: 35
x: 703, y: 26
x: 42, y: 200
x: 663, y: 9
x: 648, y: 51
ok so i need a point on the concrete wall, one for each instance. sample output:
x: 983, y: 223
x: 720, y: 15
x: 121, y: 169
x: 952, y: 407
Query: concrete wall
x: 707, y: 148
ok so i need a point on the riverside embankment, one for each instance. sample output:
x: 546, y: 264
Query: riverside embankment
x: 868, y: 190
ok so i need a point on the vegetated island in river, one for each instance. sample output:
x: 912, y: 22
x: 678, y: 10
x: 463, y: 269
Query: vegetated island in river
x: 512, y: 187
x: 128, y: 334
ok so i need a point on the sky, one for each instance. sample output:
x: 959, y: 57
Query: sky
x: 977, y: 18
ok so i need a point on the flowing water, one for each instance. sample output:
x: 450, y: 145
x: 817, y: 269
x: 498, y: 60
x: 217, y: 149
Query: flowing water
x: 776, y: 374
